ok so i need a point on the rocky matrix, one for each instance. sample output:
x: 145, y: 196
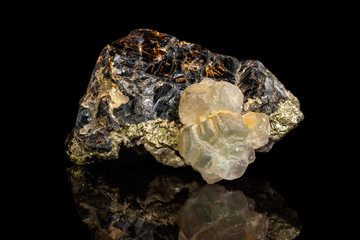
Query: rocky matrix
x: 136, y: 86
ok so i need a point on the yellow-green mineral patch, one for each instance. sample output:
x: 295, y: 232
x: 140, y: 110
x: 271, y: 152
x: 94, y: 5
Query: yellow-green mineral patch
x: 160, y: 132
x: 285, y: 118
x: 77, y: 153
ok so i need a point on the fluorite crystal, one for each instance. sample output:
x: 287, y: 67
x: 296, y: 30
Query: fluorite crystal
x: 133, y: 97
x: 218, y: 148
x: 208, y: 97
x: 259, y: 128
x: 216, y: 141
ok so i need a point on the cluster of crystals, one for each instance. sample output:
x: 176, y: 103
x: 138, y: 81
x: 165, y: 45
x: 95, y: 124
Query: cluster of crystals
x: 215, y: 213
x: 217, y: 140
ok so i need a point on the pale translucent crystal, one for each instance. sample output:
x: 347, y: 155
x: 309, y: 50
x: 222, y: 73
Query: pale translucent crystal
x: 218, y: 147
x: 216, y: 213
x: 259, y: 128
x: 215, y: 139
x: 200, y: 100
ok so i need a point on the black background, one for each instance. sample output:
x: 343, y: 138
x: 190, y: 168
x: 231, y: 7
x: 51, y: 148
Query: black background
x: 290, y: 46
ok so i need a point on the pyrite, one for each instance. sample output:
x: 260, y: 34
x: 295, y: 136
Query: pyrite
x: 134, y: 92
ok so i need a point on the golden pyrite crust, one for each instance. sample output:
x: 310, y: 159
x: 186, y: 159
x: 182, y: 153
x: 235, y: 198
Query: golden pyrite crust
x: 154, y: 135
x: 285, y: 118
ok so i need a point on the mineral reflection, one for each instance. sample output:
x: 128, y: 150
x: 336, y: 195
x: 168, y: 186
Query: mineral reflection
x: 116, y: 204
x: 216, y: 213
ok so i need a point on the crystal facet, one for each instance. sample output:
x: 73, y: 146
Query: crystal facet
x: 200, y: 100
x: 259, y: 128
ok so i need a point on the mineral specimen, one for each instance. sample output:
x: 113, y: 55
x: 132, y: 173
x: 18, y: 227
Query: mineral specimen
x: 134, y: 92
x: 215, y: 213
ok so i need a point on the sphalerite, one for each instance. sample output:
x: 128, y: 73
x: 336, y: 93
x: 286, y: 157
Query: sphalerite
x: 133, y: 100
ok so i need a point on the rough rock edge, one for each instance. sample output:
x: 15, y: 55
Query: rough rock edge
x: 82, y: 154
